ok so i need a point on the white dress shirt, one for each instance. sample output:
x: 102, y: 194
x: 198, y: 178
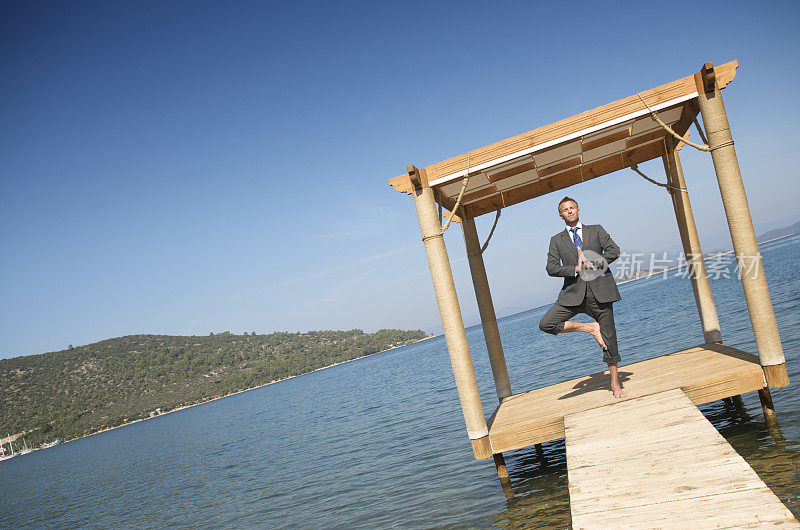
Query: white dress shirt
x: 572, y: 234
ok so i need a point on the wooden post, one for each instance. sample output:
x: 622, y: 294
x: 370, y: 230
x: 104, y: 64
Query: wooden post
x: 734, y: 200
x: 502, y: 470
x: 691, y: 244
x: 488, y: 319
x: 452, y: 323
x: 770, y: 418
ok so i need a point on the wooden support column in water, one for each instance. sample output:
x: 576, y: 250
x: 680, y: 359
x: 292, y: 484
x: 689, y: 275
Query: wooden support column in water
x: 767, y: 407
x: 734, y: 200
x: 488, y: 319
x: 502, y: 470
x: 450, y: 312
x: 691, y: 243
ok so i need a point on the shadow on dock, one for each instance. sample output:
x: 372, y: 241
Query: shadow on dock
x: 595, y: 382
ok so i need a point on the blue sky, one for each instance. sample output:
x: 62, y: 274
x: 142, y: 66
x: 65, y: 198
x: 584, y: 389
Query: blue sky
x: 195, y: 167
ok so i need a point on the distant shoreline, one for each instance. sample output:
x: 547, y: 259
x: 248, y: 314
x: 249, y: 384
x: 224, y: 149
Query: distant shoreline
x: 183, y: 407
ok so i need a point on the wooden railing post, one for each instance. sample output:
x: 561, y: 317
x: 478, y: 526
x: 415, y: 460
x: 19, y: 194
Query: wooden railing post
x: 698, y: 276
x: 483, y: 294
x: 452, y: 323
x: 737, y: 211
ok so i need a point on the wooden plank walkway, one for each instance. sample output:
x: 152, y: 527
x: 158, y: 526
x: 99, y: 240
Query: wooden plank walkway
x: 706, y: 373
x: 657, y: 462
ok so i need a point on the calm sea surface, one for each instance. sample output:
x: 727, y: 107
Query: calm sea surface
x: 381, y: 441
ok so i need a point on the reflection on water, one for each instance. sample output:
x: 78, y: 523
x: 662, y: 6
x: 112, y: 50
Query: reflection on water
x: 381, y: 441
x: 765, y: 447
x: 539, y: 482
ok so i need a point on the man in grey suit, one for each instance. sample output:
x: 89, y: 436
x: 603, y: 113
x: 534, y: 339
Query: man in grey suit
x: 581, y: 254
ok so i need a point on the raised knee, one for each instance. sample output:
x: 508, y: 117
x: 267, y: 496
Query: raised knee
x: 548, y: 327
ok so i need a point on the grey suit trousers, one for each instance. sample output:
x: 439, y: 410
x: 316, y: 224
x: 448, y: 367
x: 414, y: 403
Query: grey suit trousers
x: 603, y: 312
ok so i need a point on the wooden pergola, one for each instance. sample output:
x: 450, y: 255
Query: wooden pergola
x: 615, y: 136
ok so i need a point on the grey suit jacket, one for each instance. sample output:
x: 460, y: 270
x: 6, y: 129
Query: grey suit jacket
x: 562, y: 257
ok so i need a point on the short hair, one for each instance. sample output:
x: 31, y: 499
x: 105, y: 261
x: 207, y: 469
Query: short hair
x: 566, y: 199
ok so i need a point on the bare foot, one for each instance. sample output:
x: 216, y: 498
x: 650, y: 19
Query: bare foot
x: 597, y: 335
x: 618, y: 392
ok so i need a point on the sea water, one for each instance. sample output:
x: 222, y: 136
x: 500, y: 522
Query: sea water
x: 381, y: 441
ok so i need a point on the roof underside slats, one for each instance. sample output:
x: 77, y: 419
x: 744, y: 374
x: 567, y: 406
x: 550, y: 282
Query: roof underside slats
x: 580, y: 148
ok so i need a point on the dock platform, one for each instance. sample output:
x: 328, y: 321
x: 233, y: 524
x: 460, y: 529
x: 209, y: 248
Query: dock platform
x: 705, y: 373
x: 657, y: 462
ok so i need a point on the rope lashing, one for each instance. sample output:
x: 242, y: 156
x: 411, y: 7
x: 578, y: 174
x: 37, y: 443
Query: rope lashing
x: 669, y: 129
x: 460, y: 195
x: 496, y: 218
x: 636, y: 169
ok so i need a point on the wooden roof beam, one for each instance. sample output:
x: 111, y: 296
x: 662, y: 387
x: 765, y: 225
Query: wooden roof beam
x: 564, y: 129
x: 565, y: 179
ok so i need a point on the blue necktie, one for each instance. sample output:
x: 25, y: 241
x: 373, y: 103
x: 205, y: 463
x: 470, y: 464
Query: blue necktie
x: 576, y: 238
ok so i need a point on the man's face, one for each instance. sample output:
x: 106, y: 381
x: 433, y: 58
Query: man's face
x: 569, y: 211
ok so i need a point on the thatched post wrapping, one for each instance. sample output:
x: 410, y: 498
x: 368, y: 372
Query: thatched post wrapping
x: 483, y: 294
x: 691, y: 244
x: 452, y: 323
x: 740, y: 223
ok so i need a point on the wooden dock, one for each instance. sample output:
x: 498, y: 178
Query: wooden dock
x: 706, y: 373
x: 657, y: 462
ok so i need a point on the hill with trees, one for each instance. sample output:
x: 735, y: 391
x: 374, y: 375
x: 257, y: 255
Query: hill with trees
x: 81, y: 390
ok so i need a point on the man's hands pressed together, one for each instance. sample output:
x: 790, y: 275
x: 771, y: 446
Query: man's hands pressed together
x: 583, y: 262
